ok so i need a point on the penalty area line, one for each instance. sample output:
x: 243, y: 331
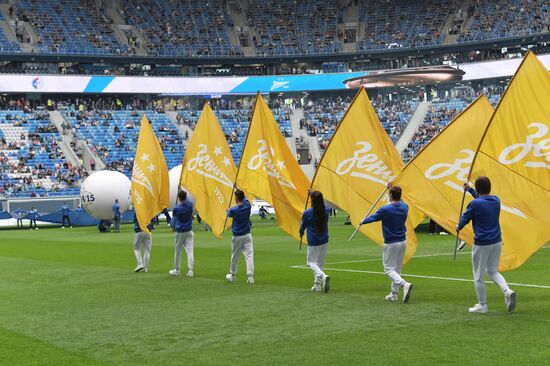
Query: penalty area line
x: 422, y: 276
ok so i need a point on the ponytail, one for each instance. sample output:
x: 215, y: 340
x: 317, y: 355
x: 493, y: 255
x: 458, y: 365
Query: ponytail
x: 319, y: 212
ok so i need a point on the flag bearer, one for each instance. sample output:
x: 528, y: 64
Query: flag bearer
x: 182, y: 222
x: 242, y: 239
x: 393, y: 217
x: 315, y: 220
x: 484, y: 212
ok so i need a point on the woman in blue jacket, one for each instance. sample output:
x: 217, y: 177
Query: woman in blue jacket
x: 315, y: 220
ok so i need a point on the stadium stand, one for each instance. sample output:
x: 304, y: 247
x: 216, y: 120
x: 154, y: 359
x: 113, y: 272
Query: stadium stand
x: 182, y: 28
x: 288, y: 27
x: 31, y: 160
x: 310, y: 27
x: 322, y: 115
x: 398, y: 25
x: 113, y: 135
x: 70, y: 27
x: 7, y: 46
x: 495, y: 19
x: 443, y: 111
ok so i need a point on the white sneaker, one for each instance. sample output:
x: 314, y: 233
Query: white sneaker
x: 316, y: 288
x: 145, y: 269
x: 478, y: 308
x: 230, y: 277
x: 139, y: 268
x: 174, y: 272
x: 63, y: 227
x: 190, y: 273
x: 391, y: 297
x: 326, y: 283
x: 462, y: 245
x: 510, y: 300
x: 407, y: 289
x: 35, y: 228
x: 250, y: 280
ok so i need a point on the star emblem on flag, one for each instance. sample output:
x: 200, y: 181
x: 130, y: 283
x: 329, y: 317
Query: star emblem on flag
x: 137, y: 197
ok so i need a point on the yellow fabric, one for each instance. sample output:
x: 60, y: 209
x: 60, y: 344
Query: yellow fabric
x: 150, y: 182
x: 515, y: 155
x: 269, y: 170
x: 357, y: 165
x: 209, y: 171
x: 433, y: 180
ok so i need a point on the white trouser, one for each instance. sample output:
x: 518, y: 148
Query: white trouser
x: 392, y: 258
x: 316, y: 255
x: 485, y: 258
x: 242, y: 244
x: 184, y: 240
x: 142, y: 241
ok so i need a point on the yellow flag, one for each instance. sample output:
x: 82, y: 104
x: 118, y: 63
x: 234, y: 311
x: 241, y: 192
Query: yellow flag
x: 357, y: 165
x: 433, y: 180
x: 269, y: 170
x: 208, y: 170
x: 150, y: 183
x: 515, y: 155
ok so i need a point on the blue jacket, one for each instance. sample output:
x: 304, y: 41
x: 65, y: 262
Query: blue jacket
x: 116, y: 209
x: 19, y: 214
x: 241, y: 218
x: 313, y: 238
x: 64, y: 210
x: 393, y: 217
x: 32, y: 214
x: 182, y: 217
x: 484, y: 212
x: 137, y: 229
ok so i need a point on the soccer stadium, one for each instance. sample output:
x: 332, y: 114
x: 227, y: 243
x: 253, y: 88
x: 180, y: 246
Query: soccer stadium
x: 383, y: 167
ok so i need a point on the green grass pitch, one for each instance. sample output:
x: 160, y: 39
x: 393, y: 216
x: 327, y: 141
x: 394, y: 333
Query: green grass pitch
x: 70, y: 297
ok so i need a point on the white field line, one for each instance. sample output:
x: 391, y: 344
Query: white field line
x: 417, y: 276
x: 422, y: 276
x: 416, y: 256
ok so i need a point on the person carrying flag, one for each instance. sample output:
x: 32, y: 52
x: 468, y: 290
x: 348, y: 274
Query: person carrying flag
x: 182, y: 222
x: 142, y: 242
x: 393, y: 217
x: 484, y: 212
x: 242, y: 239
x: 315, y: 220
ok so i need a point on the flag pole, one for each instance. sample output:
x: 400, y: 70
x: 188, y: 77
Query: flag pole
x: 368, y: 213
x: 305, y: 208
x: 481, y: 142
x: 239, y: 167
x: 459, y: 216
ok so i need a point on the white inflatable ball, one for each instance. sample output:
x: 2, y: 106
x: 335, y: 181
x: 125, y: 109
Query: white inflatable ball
x: 99, y: 191
x: 174, y: 175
